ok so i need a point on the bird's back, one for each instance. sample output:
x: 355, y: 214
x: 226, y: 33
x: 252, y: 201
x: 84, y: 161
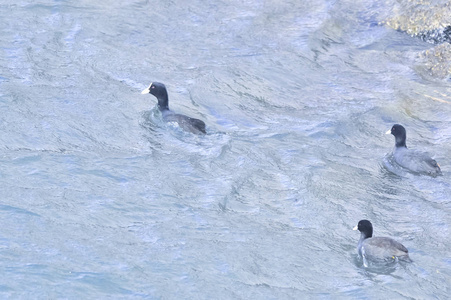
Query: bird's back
x: 186, y: 123
x: 383, y: 248
x: 416, y: 161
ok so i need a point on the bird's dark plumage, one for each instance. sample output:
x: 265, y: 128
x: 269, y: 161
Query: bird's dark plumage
x: 378, y: 248
x: 189, y: 124
x: 415, y: 161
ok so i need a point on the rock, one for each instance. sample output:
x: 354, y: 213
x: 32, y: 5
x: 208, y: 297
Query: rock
x: 430, y: 22
x: 436, y: 62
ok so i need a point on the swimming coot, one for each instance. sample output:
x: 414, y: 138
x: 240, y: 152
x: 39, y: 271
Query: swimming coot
x: 189, y: 124
x: 378, y: 248
x: 415, y: 161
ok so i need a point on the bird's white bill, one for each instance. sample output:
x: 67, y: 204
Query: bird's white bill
x: 355, y: 227
x: 388, y: 132
x: 146, y: 91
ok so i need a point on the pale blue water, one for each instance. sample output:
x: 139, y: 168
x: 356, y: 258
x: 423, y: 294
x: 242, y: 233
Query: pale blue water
x: 100, y: 199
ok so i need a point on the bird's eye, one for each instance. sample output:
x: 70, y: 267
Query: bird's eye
x: 152, y: 87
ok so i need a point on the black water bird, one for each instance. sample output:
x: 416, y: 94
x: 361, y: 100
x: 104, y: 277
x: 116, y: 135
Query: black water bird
x: 378, y: 249
x: 186, y: 123
x: 415, y: 161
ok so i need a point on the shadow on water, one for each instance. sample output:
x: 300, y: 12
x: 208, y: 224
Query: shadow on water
x: 17, y: 210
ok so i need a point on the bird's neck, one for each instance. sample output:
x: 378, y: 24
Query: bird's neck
x: 401, y: 142
x: 163, y: 102
x: 364, y: 236
x: 163, y: 108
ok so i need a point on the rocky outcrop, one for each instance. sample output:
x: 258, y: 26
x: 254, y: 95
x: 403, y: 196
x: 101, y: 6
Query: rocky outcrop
x: 436, y: 62
x: 429, y: 20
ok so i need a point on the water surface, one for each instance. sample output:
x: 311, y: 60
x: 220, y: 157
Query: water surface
x: 101, y: 199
